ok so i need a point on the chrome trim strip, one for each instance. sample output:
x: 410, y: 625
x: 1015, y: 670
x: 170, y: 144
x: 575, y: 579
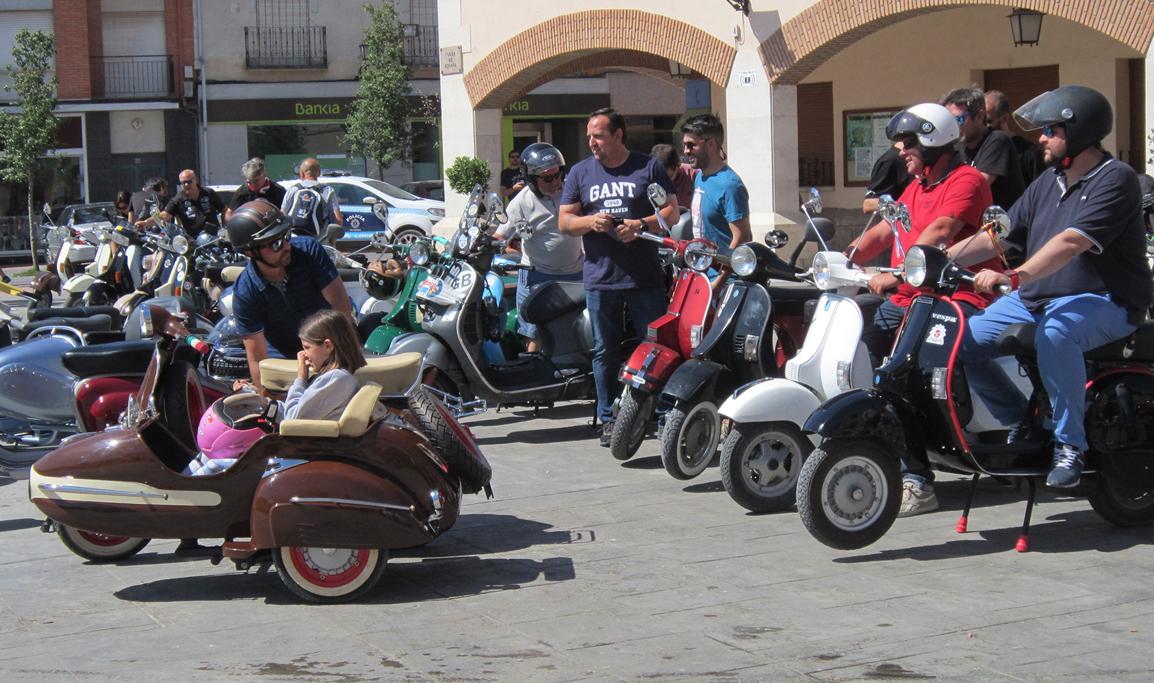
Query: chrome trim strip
x: 65, y: 488
x: 297, y: 500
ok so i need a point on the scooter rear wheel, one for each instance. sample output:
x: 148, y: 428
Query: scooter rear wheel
x: 1118, y: 507
x: 451, y: 439
x: 629, y: 426
x: 98, y: 548
x: 689, y: 439
x: 329, y: 575
x: 849, y: 493
x: 760, y: 465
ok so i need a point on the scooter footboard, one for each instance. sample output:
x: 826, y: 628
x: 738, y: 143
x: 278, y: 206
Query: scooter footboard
x: 340, y: 505
x: 870, y: 414
x: 771, y: 400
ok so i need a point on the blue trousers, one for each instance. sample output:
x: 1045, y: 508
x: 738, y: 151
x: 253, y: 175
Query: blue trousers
x: 607, y: 314
x: 1067, y: 327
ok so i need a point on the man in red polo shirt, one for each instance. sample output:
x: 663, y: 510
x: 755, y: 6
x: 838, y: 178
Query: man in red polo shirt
x: 945, y: 200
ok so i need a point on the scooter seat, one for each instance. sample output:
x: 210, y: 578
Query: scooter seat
x: 1018, y: 340
x: 222, y: 272
x: 784, y: 290
x: 395, y: 374
x: 114, y: 358
x: 35, y: 314
x: 349, y: 274
x: 552, y: 300
x: 93, y: 323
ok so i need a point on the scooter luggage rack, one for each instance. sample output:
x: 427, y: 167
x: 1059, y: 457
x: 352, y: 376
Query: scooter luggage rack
x: 457, y: 405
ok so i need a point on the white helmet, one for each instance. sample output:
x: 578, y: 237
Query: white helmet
x: 932, y: 123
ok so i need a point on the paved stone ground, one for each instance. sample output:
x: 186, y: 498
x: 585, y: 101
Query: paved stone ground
x: 586, y: 569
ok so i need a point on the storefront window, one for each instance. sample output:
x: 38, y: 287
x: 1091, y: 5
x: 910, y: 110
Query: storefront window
x: 284, y: 147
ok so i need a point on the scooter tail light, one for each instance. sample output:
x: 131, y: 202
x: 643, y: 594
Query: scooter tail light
x: 843, y: 375
x: 938, y: 384
x: 695, y: 335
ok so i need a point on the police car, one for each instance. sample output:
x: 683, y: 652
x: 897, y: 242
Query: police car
x: 408, y: 216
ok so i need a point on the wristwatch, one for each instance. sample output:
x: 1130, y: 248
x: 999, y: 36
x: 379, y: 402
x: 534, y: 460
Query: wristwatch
x: 1015, y: 279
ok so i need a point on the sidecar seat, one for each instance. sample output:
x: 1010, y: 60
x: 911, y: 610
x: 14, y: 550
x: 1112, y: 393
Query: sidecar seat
x: 354, y: 421
x: 395, y: 374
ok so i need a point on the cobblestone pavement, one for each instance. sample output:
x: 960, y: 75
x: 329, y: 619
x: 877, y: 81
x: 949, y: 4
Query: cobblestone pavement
x: 582, y: 568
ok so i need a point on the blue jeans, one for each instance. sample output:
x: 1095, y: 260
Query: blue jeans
x: 1067, y: 327
x: 607, y: 314
x: 526, y: 280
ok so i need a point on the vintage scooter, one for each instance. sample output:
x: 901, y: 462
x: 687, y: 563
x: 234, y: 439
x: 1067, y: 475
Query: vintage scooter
x: 116, y: 270
x: 458, y: 321
x: 849, y: 489
x: 325, y: 499
x: 669, y: 340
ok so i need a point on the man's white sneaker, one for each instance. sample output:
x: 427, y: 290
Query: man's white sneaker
x: 917, y: 498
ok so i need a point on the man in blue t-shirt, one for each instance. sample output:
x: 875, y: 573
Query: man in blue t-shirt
x: 287, y: 279
x: 720, y: 200
x: 1085, y: 281
x: 605, y: 201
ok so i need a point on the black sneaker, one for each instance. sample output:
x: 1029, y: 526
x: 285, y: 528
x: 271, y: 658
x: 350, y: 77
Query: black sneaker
x: 606, y: 434
x: 1066, y: 470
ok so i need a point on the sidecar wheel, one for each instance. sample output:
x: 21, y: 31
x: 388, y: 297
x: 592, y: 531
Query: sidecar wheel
x: 96, y: 547
x: 1121, y: 508
x: 182, y: 401
x: 760, y: 464
x: 848, y: 493
x: 689, y: 439
x: 629, y: 425
x: 451, y: 439
x: 329, y: 575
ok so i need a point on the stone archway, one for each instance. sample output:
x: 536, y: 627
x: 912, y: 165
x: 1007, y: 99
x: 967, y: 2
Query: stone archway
x: 825, y: 28
x: 623, y: 37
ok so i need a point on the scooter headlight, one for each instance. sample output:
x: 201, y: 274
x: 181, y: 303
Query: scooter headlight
x: 743, y: 261
x: 145, y: 322
x: 419, y: 253
x: 699, y: 255
x: 821, y: 270
x: 915, y: 266
x: 180, y: 244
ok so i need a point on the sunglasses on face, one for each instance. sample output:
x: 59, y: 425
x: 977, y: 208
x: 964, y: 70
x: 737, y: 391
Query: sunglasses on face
x: 187, y: 182
x: 961, y: 118
x: 1048, y: 131
x: 275, y: 245
x: 550, y: 178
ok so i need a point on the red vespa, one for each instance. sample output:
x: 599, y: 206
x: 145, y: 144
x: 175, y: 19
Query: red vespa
x: 325, y: 499
x: 669, y: 340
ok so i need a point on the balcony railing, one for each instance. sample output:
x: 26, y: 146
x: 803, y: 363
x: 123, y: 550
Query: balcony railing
x: 421, y: 45
x: 285, y: 47
x: 132, y: 77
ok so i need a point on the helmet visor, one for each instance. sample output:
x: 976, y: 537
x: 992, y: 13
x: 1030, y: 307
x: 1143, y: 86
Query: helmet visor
x: 1044, y: 110
x: 904, y: 124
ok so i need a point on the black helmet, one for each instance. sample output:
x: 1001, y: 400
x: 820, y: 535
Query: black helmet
x: 538, y: 158
x: 257, y: 221
x: 378, y: 285
x: 1085, y: 113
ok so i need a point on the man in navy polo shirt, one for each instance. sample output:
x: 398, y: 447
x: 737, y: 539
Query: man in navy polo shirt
x: 605, y: 201
x: 286, y: 280
x: 1085, y: 281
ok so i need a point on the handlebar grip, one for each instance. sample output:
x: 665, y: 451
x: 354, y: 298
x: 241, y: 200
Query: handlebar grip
x: 1004, y: 289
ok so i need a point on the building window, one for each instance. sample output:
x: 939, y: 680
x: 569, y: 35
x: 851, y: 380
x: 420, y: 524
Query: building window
x: 421, y: 33
x: 284, y: 37
x: 815, y: 134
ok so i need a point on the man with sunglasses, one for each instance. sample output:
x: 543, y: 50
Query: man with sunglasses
x: 992, y: 152
x: 720, y: 205
x: 553, y: 255
x: 1084, y: 281
x: 256, y: 186
x: 197, y: 209
x: 287, y: 279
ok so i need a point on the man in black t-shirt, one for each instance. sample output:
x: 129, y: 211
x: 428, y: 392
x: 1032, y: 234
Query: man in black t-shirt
x: 512, y: 180
x: 990, y: 151
x: 256, y: 186
x: 1030, y: 155
x: 197, y: 209
x: 889, y: 176
x: 1085, y: 281
x: 153, y: 196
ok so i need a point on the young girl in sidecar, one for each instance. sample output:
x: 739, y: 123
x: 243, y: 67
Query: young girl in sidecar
x: 326, y: 498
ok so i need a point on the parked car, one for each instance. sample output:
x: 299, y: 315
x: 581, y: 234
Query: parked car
x: 409, y: 216
x: 426, y: 189
x: 225, y: 193
x: 82, y: 217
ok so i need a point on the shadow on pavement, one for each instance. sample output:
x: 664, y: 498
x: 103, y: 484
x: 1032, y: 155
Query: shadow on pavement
x: 19, y: 524
x: 649, y: 462
x: 543, y: 436
x: 705, y: 487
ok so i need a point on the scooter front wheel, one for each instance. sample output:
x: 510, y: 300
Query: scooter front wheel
x: 329, y: 575
x: 760, y: 464
x: 96, y: 547
x: 689, y: 439
x: 848, y: 493
x: 629, y: 426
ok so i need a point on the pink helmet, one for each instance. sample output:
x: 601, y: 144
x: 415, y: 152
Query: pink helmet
x: 232, y: 424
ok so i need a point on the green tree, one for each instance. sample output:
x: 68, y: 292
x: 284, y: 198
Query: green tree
x: 467, y: 172
x: 378, y: 120
x: 30, y: 133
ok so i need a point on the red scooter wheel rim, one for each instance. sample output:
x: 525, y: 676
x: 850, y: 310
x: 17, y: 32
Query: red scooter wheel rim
x: 102, y: 540
x: 328, y: 575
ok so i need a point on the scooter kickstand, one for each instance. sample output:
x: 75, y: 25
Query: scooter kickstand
x: 965, y: 518
x: 1024, y: 539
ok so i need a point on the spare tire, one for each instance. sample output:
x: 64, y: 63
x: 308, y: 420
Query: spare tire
x: 453, y: 441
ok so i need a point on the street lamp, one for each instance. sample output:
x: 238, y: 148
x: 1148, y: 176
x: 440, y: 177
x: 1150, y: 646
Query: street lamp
x: 1026, y: 26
